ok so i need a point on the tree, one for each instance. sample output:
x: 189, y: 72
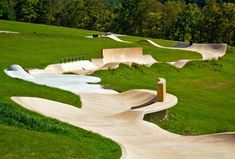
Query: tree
x: 6, y: 12
x: 229, y: 23
x: 131, y: 17
x: 169, y: 18
x: 152, y: 23
x: 212, y: 24
x: 25, y: 10
x: 188, y: 22
x: 99, y: 16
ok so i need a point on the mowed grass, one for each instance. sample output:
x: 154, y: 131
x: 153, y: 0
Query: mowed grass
x: 205, y: 90
x: 24, y: 134
x: 47, y: 44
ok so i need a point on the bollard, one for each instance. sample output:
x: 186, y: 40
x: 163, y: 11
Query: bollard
x: 161, y: 90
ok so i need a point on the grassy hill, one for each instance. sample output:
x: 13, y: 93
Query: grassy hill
x: 23, y: 134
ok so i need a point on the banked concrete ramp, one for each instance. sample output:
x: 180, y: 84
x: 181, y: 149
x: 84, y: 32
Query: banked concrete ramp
x: 208, y: 52
x: 112, y: 116
x: 124, y: 55
x: 111, y: 59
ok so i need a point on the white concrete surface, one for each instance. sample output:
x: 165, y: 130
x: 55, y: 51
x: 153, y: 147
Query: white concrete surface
x: 68, y: 82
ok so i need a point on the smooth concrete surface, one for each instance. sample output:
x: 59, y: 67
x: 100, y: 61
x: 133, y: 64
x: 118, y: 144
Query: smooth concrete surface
x: 69, y: 82
x: 208, y: 52
x: 123, y: 55
x: 111, y: 116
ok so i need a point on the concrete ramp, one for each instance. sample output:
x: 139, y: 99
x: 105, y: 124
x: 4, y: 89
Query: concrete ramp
x: 122, y: 54
x: 115, y: 38
x: 83, y: 67
x: 138, y: 98
x: 209, y: 51
x: 127, y: 55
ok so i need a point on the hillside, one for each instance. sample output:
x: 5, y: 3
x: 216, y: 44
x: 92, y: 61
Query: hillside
x: 199, y: 86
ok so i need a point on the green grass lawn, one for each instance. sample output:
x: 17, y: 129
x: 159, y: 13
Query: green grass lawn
x: 205, y: 90
x: 24, y: 134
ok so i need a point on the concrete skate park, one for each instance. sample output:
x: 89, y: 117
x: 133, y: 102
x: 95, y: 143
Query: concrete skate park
x: 123, y: 116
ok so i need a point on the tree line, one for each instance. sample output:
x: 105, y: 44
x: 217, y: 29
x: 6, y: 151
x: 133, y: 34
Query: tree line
x: 197, y: 20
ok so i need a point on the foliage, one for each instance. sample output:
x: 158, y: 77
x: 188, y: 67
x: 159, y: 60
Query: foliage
x: 197, y: 20
x: 5, y: 11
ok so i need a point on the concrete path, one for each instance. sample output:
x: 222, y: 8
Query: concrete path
x: 112, y: 117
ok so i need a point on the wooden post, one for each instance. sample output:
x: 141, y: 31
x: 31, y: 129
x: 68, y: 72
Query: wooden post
x: 161, y: 90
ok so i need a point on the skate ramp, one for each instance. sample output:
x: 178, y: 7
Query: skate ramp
x: 121, y: 54
x: 84, y: 65
x: 69, y: 82
x: 127, y: 55
x: 138, y: 98
x: 179, y: 63
x: 115, y: 38
x: 16, y: 71
x: 210, y: 51
x: 112, y: 117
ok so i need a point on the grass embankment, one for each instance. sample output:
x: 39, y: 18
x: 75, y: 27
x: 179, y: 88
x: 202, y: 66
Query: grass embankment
x: 205, y: 90
x: 24, y: 134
